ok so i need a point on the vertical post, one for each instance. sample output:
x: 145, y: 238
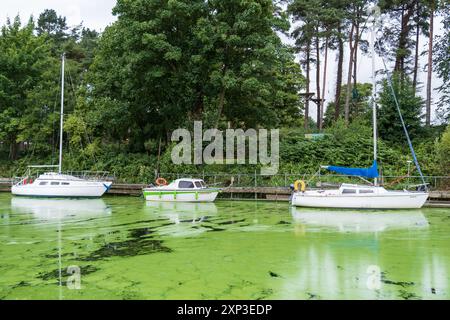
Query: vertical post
x: 256, y: 186
x: 61, y: 120
x: 374, y: 83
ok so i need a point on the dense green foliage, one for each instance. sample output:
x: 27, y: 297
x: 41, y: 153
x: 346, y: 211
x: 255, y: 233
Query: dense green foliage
x: 442, y: 62
x: 390, y: 126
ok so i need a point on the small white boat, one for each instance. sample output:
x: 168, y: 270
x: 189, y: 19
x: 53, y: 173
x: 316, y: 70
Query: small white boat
x: 182, y: 190
x: 361, y: 197
x: 58, y: 184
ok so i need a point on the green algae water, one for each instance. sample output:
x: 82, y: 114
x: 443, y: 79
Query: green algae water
x: 125, y: 248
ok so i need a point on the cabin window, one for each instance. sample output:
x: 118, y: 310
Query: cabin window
x: 43, y: 183
x: 349, y: 191
x: 365, y: 191
x: 65, y: 183
x: 198, y: 184
x: 186, y: 184
x: 54, y: 183
x: 203, y: 184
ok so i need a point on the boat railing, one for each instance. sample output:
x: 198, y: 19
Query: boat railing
x: 33, y: 172
x: 284, y: 180
x: 91, y: 175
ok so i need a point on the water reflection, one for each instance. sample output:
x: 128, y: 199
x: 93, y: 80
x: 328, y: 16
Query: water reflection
x: 50, y: 209
x: 337, y: 264
x: 186, y: 217
x: 360, y: 221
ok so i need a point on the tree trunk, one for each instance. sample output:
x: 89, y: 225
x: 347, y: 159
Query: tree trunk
x: 221, y: 99
x: 355, y: 59
x: 349, y: 76
x: 159, y: 155
x: 430, y: 67
x: 416, y: 54
x: 337, y: 99
x: 13, y: 149
x: 407, y: 13
x: 308, y: 80
x: 319, y: 120
x: 322, y: 102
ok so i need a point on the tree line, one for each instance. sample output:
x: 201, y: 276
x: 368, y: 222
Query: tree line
x: 166, y: 63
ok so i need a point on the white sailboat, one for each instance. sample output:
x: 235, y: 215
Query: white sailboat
x: 58, y: 184
x: 362, y: 196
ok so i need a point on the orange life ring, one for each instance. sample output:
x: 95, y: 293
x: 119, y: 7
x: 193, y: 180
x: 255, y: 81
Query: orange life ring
x: 161, y: 182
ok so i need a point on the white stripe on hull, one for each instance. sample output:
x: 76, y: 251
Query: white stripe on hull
x: 183, y: 197
x: 385, y: 201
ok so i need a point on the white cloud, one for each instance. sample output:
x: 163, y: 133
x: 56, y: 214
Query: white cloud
x: 96, y: 14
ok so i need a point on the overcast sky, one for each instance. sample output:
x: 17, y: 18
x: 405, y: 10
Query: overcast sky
x: 96, y: 14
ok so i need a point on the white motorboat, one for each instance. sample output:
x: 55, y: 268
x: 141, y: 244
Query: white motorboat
x: 363, y: 197
x: 181, y: 190
x: 58, y: 184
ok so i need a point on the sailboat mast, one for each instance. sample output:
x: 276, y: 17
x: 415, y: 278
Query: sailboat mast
x: 61, y: 123
x: 374, y: 104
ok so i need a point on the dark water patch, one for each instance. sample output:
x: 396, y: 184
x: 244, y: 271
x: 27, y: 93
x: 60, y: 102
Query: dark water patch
x: 408, y: 295
x: 114, y: 232
x: 312, y: 296
x: 264, y: 294
x: 138, y: 222
x: 230, y: 222
x: 213, y: 229
x: 403, y: 284
x: 21, y: 284
x: 128, y: 248
x: 140, y: 232
x: 56, y: 255
x: 274, y: 275
x: 54, y: 274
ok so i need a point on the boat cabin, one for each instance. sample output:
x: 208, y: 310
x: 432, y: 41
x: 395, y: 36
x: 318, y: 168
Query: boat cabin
x: 187, y: 184
x: 349, y: 189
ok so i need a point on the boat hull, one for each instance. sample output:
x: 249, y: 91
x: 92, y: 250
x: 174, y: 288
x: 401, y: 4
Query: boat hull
x: 180, y: 195
x: 391, y: 200
x: 75, y: 190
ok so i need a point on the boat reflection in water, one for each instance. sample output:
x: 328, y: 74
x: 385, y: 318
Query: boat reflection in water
x: 185, y: 217
x: 341, y: 254
x: 61, y: 212
x: 54, y: 209
x: 360, y: 221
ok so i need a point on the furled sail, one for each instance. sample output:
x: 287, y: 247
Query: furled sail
x: 371, y: 172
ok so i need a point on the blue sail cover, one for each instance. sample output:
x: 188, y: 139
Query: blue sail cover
x: 371, y: 172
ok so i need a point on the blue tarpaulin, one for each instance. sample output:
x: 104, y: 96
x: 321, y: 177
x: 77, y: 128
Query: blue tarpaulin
x: 371, y: 172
